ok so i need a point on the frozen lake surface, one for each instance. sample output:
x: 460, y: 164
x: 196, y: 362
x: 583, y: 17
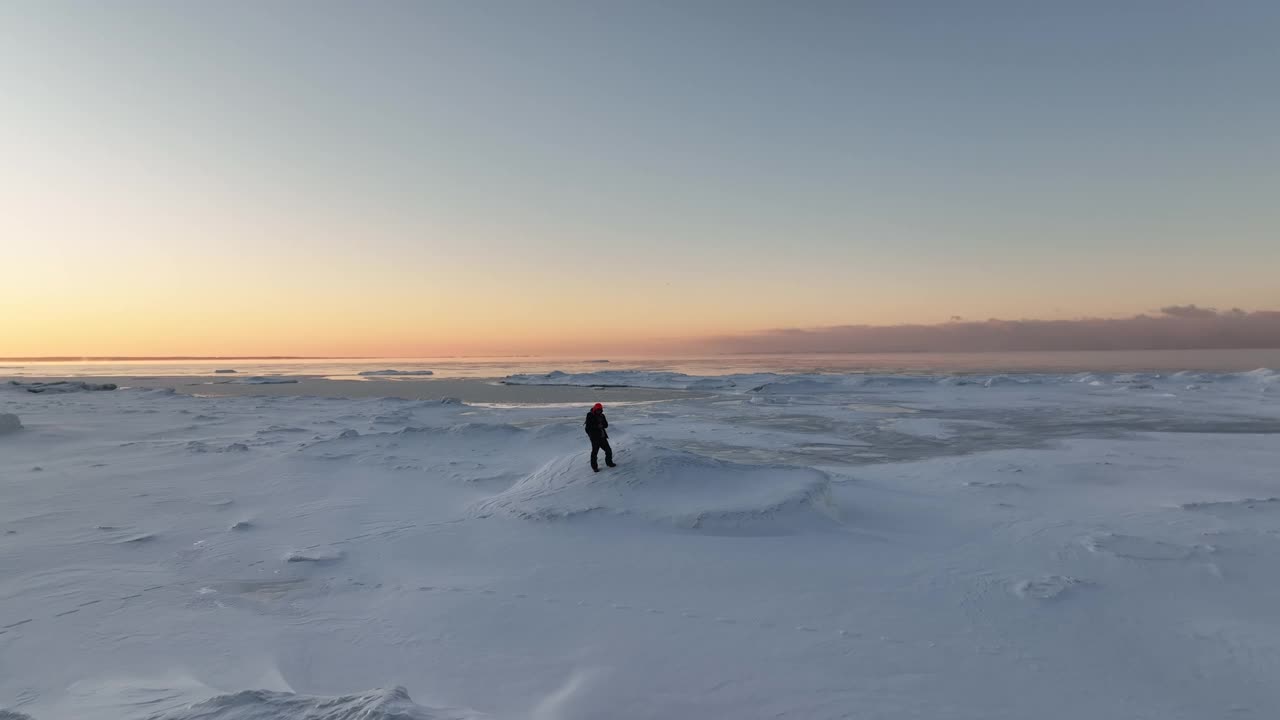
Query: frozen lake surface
x: 812, y: 546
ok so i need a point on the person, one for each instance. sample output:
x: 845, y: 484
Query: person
x: 596, y: 425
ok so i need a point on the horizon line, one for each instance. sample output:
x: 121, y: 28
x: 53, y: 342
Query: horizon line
x: 107, y: 358
x: 157, y: 358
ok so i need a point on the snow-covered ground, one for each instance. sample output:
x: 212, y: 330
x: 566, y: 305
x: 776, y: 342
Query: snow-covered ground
x: 864, y: 546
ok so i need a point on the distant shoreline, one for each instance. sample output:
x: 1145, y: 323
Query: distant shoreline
x: 224, y: 358
x: 468, y: 390
x: 128, y: 358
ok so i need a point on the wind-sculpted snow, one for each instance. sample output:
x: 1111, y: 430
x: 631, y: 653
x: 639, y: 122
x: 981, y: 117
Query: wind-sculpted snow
x: 315, y: 555
x: 673, y: 488
x: 457, y: 435
x: 1235, y: 508
x: 418, y: 447
x: 1046, y: 588
x: 1140, y: 548
x: 392, y: 704
x: 1266, y: 379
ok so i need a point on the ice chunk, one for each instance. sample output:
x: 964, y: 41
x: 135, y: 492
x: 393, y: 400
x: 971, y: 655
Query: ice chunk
x: 61, y: 386
x: 393, y: 373
x: 314, y: 555
x: 392, y: 704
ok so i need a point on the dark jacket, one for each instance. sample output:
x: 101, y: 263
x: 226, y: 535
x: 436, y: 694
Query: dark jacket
x: 596, y: 424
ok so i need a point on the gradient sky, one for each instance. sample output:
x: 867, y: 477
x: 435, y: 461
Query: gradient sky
x: 422, y: 178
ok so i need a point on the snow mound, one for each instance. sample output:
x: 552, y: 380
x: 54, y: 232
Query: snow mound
x: 133, y: 539
x: 391, y: 704
x: 9, y: 423
x: 1260, y: 375
x: 320, y: 556
x: 1266, y: 379
x: 1005, y: 379
x: 199, y: 446
x: 1233, y: 507
x: 1140, y: 548
x: 671, y: 487
x: 453, y: 434
x: 996, y: 485
x: 387, y: 373
x: 13, y: 715
x: 1045, y: 588
x: 61, y: 386
x: 1141, y: 380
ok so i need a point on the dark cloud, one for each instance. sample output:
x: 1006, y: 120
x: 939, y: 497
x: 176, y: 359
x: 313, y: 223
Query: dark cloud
x: 1189, y: 311
x: 1173, y: 327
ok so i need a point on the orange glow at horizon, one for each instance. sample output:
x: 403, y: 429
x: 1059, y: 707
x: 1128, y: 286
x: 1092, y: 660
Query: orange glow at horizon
x: 137, y: 318
x: 94, y: 271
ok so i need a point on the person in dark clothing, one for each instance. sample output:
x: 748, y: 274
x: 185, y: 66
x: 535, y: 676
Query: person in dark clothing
x: 596, y: 426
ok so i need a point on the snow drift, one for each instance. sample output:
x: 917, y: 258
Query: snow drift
x: 9, y: 423
x: 267, y: 380
x: 671, y: 487
x: 392, y: 704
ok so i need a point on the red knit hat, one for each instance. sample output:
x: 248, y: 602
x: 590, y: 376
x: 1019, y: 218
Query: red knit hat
x: 598, y: 406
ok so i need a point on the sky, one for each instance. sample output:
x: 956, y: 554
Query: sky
x: 429, y: 178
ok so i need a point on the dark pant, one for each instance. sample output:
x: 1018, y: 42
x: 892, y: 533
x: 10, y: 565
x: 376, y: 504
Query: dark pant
x: 596, y: 444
